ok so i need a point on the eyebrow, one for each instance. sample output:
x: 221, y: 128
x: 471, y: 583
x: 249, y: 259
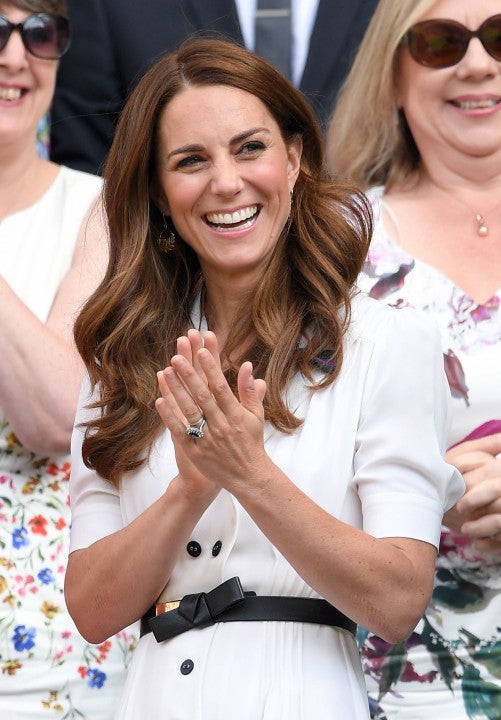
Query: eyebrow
x: 186, y: 149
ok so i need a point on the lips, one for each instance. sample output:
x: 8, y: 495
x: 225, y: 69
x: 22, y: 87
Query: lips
x: 242, y: 218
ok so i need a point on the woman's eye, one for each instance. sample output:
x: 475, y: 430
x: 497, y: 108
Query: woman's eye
x: 190, y: 161
x: 252, y: 146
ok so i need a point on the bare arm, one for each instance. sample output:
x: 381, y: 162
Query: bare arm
x: 41, y: 371
x: 102, y: 601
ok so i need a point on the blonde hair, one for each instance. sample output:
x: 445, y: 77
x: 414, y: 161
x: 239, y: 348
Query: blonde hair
x: 368, y: 139
x: 57, y: 7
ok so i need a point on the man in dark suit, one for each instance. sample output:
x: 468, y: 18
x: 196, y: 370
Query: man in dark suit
x: 114, y: 41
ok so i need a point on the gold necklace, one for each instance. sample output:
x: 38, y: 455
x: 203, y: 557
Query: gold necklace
x: 482, y: 227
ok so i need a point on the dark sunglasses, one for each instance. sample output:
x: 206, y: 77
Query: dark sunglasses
x: 43, y: 35
x: 443, y: 43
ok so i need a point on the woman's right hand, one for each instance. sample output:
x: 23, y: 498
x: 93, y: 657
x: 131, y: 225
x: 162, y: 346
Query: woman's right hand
x: 190, y: 480
x: 478, y: 512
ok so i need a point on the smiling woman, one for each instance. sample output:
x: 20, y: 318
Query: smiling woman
x: 237, y: 481
x: 52, y: 256
x: 430, y: 156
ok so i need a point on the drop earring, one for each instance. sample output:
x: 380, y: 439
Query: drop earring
x: 167, y: 238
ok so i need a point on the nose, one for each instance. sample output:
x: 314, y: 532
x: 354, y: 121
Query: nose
x: 226, y: 178
x: 14, y: 53
x: 477, y: 63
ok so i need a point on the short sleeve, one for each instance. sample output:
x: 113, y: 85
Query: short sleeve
x: 95, y: 503
x: 401, y: 477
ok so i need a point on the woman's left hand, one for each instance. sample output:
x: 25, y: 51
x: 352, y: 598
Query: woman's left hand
x: 232, y: 448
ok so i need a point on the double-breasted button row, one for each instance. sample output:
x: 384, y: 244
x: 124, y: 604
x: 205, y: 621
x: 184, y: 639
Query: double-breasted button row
x: 194, y: 548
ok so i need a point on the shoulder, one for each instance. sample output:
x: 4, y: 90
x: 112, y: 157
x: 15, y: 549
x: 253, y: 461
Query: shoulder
x: 376, y: 322
x: 80, y: 180
x: 77, y: 192
x: 375, y: 193
x: 375, y: 197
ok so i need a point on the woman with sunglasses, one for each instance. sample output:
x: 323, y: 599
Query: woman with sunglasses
x: 419, y: 123
x: 52, y: 256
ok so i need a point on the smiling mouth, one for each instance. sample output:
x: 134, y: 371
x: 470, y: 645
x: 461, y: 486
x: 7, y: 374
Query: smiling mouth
x: 240, y: 219
x: 476, y: 104
x: 10, y: 93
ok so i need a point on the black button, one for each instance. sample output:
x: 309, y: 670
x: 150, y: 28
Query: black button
x: 187, y: 667
x: 194, y: 549
x: 216, y: 548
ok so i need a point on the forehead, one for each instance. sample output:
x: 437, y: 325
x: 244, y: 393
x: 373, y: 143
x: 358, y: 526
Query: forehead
x: 470, y: 13
x: 9, y: 9
x: 213, y: 109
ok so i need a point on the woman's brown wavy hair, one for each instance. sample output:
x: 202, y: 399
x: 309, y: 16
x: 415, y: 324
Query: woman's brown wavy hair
x: 299, y: 310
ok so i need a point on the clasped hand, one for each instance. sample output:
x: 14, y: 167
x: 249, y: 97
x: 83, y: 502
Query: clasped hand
x: 193, y: 385
x: 478, y: 512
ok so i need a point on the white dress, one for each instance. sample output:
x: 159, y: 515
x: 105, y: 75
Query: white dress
x: 47, y: 669
x: 370, y: 453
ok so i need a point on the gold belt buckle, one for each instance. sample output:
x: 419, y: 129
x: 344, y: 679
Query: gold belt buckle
x: 166, y: 606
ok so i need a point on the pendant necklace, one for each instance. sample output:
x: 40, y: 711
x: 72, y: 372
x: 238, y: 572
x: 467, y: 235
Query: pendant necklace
x: 482, y: 228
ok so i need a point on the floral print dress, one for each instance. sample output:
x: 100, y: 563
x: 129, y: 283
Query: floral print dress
x: 450, y: 667
x: 47, y: 669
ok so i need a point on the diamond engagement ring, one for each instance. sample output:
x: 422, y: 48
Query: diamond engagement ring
x: 195, y: 430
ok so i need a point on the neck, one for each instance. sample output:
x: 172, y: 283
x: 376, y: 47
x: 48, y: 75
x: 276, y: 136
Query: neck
x: 479, y: 191
x: 24, y: 177
x: 479, y: 197
x: 223, y: 301
x: 460, y: 170
x: 480, y: 187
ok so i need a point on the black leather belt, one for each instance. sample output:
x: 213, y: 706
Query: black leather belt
x: 229, y: 603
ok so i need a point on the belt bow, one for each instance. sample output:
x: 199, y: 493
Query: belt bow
x: 198, y: 610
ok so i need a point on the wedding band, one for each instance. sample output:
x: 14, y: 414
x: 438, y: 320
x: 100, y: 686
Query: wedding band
x: 195, y: 430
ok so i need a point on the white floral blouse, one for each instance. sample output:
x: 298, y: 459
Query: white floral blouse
x: 450, y: 667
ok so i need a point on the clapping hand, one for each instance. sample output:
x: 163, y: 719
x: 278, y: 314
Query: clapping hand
x: 193, y: 387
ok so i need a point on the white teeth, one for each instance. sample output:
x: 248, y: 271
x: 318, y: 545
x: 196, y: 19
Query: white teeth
x: 10, y: 93
x: 476, y: 104
x: 232, y: 218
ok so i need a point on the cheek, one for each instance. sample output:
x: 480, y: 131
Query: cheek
x: 181, y: 196
x: 45, y: 71
x: 273, y: 180
x: 417, y: 100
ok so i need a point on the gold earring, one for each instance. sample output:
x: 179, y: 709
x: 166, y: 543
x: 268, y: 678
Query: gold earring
x: 167, y: 238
